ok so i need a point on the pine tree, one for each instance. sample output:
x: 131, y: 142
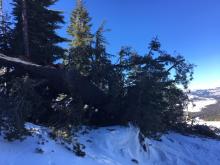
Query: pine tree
x: 80, y: 31
x: 1, y: 9
x: 5, y: 31
x: 100, y: 61
x: 80, y: 26
x: 42, y: 25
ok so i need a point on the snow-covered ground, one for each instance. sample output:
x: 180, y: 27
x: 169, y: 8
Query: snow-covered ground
x: 200, y: 103
x: 111, y: 146
x: 203, y: 98
x: 212, y: 123
x: 208, y: 123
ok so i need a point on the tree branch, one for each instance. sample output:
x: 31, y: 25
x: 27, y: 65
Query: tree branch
x: 61, y: 80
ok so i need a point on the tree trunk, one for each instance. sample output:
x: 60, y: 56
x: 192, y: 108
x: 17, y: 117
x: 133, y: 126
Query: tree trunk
x: 63, y: 81
x: 1, y: 11
x: 25, y: 29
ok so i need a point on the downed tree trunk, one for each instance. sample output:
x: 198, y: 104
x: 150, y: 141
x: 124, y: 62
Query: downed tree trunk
x: 66, y: 81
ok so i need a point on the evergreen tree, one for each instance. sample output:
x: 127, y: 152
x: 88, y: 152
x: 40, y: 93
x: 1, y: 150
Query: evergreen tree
x: 142, y: 90
x: 80, y: 26
x: 153, y: 100
x: 80, y: 31
x: 101, y: 64
x: 42, y: 25
x: 1, y: 8
x: 5, y: 32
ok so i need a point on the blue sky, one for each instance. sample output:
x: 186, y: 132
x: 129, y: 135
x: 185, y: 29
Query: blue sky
x: 187, y: 27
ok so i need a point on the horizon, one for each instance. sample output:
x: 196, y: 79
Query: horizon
x: 193, y: 34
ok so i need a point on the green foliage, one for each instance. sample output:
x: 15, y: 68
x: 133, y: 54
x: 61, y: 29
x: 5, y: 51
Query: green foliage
x: 198, y: 130
x: 80, y: 30
x: 21, y: 103
x: 80, y: 27
x: 5, y: 34
x: 153, y: 101
x: 68, y: 113
x: 42, y: 25
x: 88, y: 53
x: 102, y: 73
x: 142, y: 89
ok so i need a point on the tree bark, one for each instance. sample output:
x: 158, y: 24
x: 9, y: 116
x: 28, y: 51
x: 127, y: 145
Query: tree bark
x: 25, y: 29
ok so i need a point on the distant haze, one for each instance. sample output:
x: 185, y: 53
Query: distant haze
x: 204, y: 85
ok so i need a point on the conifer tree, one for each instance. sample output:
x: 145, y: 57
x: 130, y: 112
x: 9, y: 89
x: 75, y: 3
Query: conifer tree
x: 5, y: 31
x: 100, y: 62
x: 1, y: 8
x: 80, y: 26
x: 42, y: 24
x: 80, y: 31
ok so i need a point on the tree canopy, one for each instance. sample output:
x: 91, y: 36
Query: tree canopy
x: 89, y: 88
x: 42, y: 25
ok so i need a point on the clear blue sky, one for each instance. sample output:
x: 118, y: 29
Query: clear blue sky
x: 188, y: 27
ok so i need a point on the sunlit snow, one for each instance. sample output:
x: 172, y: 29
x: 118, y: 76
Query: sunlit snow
x: 111, y: 146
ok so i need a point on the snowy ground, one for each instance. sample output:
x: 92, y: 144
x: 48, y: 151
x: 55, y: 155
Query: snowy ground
x: 112, y: 146
x: 200, y: 103
x: 203, y: 98
x: 208, y: 123
x: 211, y: 123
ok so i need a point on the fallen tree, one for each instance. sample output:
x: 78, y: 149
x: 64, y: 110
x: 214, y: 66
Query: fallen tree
x: 143, y: 90
x: 67, y: 81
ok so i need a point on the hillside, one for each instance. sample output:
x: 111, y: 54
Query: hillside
x: 207, y: 104
x: 111, y: 146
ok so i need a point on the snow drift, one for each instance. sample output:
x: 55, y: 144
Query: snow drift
x: 111, y: 146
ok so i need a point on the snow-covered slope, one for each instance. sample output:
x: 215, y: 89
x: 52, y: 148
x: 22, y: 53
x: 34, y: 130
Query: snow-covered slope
x: 199, y: 121
x: 111, y: 146
x: 203, y: 98
x: 200, y: 103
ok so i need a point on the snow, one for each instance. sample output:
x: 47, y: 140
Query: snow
x: 202, y: 98
x: 111, y: 146
x: 213, y: 92
x: 17, y: 60
x: 208, y: 123
x: 200, y: 103
x: 212, y: 123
